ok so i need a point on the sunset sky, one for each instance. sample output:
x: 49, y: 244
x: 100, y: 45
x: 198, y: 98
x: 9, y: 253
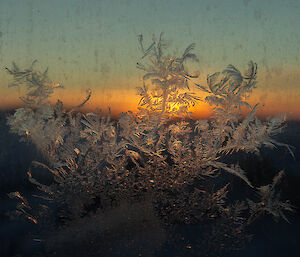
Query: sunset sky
x: 93, y: 44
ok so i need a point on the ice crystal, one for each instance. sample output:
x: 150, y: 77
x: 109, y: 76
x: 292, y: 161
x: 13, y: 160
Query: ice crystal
x: 97, y: 162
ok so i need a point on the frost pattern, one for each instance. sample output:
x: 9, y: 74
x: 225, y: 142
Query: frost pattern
x: 96, y: 162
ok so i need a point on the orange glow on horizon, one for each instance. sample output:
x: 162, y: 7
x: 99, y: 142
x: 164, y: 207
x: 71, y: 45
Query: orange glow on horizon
x: 119, y: 101
x: 275, y: 93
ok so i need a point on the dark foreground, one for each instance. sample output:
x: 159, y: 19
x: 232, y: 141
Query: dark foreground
x: 133, y: 230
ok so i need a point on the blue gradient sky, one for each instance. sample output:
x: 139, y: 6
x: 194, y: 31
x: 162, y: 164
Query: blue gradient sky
x: 93, y: 43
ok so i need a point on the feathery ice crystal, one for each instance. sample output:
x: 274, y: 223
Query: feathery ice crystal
x: 159, y: 153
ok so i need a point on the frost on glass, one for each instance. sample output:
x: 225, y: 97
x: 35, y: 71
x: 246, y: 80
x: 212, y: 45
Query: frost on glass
x: 159, y: 155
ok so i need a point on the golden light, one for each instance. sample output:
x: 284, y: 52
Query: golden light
x: 55, y: 85
x: 32, y: 219
x: 175, y: 107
